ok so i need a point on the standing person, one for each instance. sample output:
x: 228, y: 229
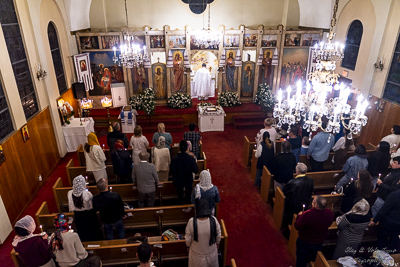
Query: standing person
x: 264, y: 155
x: 313, y: 227
x: 295, y: 140
x: 145, y: 254
x: 319, y: 148
x: 298, y: 192
x: 161, y: 158
x: 95, y: 158
x: 206, y: 190
x: 161, y: 132
x: 111, y: 209
x: 80, y: 203
x: 351, y: 229
x: 66, y: 245
x: 386, y: 186
x: 305, y: 143
x: 122, y: 162
x: 183, y: 166
x: 353, y: 165
x: 283, y: 166
x: 389, y: 223
x: 203, y: 235
x: 202, y: 83
x: 144, y: 175
x: 115, y: 135
x: 194, y: 138
x: 394, y: 138
x: 357, y: 190
x: 138, y: 143
x: 342, y: 145
x: 33, y: 249
x: 379, y: 161
x: 267, y: 127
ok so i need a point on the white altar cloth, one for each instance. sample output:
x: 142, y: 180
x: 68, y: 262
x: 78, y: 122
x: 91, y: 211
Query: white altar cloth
x: 76, y: 134
x: 211, y: 121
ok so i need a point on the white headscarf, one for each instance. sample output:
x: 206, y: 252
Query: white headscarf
x: 205, y: 183
x: 27, y: 223
x: 360, y: 208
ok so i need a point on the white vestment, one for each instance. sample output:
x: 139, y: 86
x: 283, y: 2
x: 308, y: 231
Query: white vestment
x: 202, y: 83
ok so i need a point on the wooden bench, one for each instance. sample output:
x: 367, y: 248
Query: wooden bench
x: 73, y: 171
x: 140, y: 218
x: 119, y: 252
x: 166, y: 192
x: 247, y: 151
x: 322, y: 181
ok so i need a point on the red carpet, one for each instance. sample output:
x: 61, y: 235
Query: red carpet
x: 253, y: 239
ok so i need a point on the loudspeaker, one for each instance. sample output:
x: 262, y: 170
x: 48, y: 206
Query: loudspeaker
x: 79, y: 90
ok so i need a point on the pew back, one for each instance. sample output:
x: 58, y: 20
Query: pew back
x: 279, y: 208
x: 247, y: 150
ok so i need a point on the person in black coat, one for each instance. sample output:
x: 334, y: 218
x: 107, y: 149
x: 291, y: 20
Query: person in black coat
x: 183, y: 167
x: 115, y: 135
x: 264, y: 155
x: 283, y: 166
x: 122, y: 163
x: 298, y: 192
x: 378, y: 162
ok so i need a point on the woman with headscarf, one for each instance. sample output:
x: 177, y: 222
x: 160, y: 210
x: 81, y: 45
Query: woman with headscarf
x: 95, y: 158
x: 264, y: 155
x: 161, y: 158
x: 379, y: 161
x: 161, y: 132
x: 33, y: 249
x: 206, y: 190
x: 351, y: 229
x: 122, y: 162
x: 80, y: 202
x: 66, y: 245
x: 139, y: 143
x: 203, y: 235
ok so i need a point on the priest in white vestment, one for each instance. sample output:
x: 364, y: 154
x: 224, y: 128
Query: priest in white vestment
x: 202, y: 83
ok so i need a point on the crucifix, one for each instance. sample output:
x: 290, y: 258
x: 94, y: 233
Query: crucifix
x: 212, y: 120
x: 158, y: 59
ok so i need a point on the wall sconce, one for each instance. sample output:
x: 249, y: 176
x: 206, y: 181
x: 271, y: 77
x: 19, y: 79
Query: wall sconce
x: 41, y: 73
x: 378, y: 65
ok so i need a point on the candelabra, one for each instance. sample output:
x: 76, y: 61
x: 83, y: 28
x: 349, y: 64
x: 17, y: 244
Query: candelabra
x: 86, y: 105
x: 107, y: 103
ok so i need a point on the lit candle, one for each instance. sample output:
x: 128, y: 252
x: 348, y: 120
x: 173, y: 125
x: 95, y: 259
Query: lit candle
x: 110, y: 188
x: 103, y: 146
x: 304, y: 206
x: 289, y: 89
x: 41, y: 228
x: 380, y: 176
x: 279, y: 98
x: 115, y: 51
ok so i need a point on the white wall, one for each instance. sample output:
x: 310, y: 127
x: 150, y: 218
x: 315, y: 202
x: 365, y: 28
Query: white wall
x: 310, y: 18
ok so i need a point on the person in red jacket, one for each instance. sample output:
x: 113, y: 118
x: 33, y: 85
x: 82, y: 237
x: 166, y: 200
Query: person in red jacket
x: 313, y: 227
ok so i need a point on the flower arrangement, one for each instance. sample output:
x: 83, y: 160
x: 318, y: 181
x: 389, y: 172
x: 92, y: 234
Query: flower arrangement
x: 144, y: 101
x: 205, y: 104
x: 179, y: 100
x: 228, y: 99
x: 264, y: 97
x: 67, y: 112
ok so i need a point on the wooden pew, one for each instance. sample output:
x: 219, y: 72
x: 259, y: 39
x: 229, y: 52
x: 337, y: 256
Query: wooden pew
x: 322, y: 180
x: 320, y: 261
x: 119, y: 252
x: 247, y: 150
x: 81, y: 156
x: 73, y: 171
x: 166, y: 191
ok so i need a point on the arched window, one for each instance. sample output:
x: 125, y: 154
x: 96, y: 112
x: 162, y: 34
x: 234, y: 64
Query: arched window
x: 392, y: 89
x: 57, y: 59
x: 16, y: 52
x: 6, y: 125
x: 353, y: 41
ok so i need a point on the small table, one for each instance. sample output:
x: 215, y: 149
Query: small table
x: 211, y: 121
x: 76, y: 134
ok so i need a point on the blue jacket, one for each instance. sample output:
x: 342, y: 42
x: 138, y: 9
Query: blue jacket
x: 319, y: 147
x: 354, y: 164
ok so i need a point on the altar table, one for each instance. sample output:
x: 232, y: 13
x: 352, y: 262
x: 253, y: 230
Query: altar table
x: 76, y: 134
x: 211, y: 121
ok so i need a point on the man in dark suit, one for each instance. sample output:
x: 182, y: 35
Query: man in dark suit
x: 183, y: 166
x: 144, y: 175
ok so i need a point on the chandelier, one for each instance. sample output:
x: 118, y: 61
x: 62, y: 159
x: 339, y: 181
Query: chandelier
x: 132, y: 55
x: 322, y: 99
x: 206, y: 39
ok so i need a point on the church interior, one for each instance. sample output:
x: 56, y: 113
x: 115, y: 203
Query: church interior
x: 94, y: 62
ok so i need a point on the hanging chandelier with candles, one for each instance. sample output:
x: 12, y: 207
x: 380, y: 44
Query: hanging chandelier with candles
x: 206, y: 38
x: 323, y: 99
x: 132, y: 55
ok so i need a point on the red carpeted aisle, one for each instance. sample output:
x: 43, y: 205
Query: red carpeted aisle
x: 253, y: 238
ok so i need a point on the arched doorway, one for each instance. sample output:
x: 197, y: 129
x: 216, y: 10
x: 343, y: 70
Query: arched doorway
x: 211, y: 60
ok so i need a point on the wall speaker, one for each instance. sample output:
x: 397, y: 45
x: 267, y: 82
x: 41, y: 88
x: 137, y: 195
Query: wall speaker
x: 79, y: 90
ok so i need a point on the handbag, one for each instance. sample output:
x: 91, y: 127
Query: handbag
x: 169, y: 235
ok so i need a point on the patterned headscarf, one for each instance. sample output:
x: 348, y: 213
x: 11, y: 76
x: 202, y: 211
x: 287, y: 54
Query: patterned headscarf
x: 56, y: 241
x: 161, y: 142
x: 92, y: 139
x: 360, y: 208
x: 78, y: 186
x: 119, y: 144
x: 205, y: 183
x: 27, y: 223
